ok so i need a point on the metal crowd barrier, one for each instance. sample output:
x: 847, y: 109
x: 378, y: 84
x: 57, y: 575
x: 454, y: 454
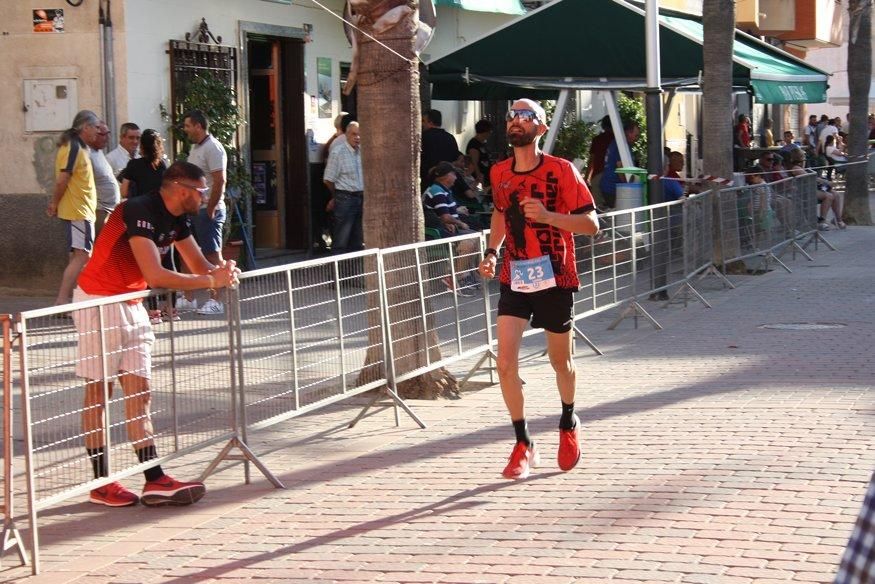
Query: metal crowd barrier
x: 9, y: 537
x: 768, y: 219
x: 295, y: 338
x: 189, y: 399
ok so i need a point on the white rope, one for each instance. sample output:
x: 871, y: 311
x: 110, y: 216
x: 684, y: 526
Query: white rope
x: 339, y: 17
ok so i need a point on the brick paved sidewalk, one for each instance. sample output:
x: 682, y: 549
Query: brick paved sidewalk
x: 715, y: 451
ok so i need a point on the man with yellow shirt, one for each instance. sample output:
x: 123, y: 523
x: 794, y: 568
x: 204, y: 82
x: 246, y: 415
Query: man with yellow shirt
x: 74, y: 197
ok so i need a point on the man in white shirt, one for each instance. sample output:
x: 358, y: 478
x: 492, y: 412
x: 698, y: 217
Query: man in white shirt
x: 209, y: 155
x: 344, y: 179
x: 108, y: 194
x: 829, y: 130
x: 127, y: 149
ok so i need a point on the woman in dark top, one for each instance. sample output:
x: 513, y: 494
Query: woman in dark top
x: 143, y: 175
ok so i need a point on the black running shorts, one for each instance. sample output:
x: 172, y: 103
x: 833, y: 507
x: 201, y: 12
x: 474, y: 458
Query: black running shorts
x: 551, y: 310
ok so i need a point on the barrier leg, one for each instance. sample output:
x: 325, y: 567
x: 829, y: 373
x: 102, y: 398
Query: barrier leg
x: 246, y: 455
x: 794, y: 245
x: 397, y: 402
x: 11, y: 538
x: 817, y: 237
x: 684, y: 294
x: 713, y: 271
x: 579, y: 333
x: 634, y: 309
x: 478, y: 366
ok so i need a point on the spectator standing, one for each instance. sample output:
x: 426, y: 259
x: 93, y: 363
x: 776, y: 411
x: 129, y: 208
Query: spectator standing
x: 338, y: 132
x: 742, y: 132
x: 143, y: 175
x: 345, y: 181
x: 208, y: 154
x: 809, y: 133
x: 108, y: 195
x: 829, y: 129
x: 610, y: 178
x: 438, y: 145
x: 541, y: 201
x: 127, y: 149
x: 672, y: 186
x: 598, y: 150
x: 790, y: 143
x: 479, y: 153
x: 768, y: 139
x: 74, y: 197
x: 127, y: 258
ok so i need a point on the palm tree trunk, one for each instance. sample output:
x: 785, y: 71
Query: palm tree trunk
x: 718, y: 21
x: 389, y: 114
x: 859, y: 77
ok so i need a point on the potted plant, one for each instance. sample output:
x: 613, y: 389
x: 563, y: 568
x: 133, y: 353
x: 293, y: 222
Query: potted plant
x: 211, y: 95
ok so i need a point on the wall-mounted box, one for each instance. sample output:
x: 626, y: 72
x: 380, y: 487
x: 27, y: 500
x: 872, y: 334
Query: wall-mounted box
x: 818, y: 23
x: 49, y: 104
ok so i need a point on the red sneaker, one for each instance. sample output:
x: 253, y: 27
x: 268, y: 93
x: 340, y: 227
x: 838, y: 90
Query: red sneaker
x: 569, y: 446
x: 113, y: 495
x: 169, y: 491
x: 522, y: 459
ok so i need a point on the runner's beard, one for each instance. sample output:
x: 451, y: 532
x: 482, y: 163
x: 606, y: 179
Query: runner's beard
x: 524, y: 138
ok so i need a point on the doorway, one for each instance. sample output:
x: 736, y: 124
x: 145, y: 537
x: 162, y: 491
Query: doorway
x: 278, y: 156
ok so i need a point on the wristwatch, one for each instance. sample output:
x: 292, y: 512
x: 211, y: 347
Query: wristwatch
x: 490, y: 251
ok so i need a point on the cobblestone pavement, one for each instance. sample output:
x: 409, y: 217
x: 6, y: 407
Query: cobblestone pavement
x: 715, y: 451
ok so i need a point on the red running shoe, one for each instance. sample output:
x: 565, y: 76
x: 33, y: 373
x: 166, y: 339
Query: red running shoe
x: 522, y: 459
x: 169, y: 491
x: 569, y: 446
x: 113, y: 495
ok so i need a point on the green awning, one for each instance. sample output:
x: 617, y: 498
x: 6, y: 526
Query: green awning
x: 600, y: 44
x: 497, y: 6
x: 774, y: 76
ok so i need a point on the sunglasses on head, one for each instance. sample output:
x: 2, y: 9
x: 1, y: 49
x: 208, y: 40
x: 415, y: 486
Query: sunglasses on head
x: 525, y: 115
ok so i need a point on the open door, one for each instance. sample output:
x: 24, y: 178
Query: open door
x: 277, y: 142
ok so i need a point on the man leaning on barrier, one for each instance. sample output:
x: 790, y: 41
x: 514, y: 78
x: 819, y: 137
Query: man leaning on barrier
x: 540, y: 203
x: 127, y: 258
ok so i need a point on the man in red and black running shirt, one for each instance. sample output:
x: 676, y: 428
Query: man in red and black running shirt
x: 127, y: 258
x: 540, y: 203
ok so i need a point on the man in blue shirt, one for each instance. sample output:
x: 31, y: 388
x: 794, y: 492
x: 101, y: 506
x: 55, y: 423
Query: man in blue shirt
x: 672, y: 187
x: 610, y: 178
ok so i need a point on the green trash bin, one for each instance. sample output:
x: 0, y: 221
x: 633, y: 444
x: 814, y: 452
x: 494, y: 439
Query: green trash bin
x: 631, y: 195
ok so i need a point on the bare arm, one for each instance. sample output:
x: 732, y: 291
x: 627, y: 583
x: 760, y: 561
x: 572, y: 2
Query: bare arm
x: 585, y: 223
x: 216, y: 191
x: 126, y: 184
x: 207, y: 275
x: 61, y: 183
x: 496, y: 238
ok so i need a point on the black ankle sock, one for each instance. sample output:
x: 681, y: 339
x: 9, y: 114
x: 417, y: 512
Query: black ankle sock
x: 98, y: 461
x: 146, y: 454
x: 522, y: 432
x: 566, y: 422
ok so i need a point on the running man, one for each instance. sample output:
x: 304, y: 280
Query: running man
x: 540, y: 202
x: 127, y: 258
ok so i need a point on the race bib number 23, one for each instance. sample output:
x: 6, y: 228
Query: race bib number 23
x: 531, y: 275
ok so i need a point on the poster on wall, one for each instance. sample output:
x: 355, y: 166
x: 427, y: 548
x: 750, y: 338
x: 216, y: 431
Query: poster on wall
x: 324, y: 82
x: 48, y: 20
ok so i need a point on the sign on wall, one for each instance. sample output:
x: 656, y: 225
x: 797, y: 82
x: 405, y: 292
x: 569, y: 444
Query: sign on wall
x: 48, y: 20
x: 325, y: 84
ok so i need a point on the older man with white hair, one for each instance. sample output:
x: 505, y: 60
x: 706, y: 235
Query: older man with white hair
x: 74, y: 197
